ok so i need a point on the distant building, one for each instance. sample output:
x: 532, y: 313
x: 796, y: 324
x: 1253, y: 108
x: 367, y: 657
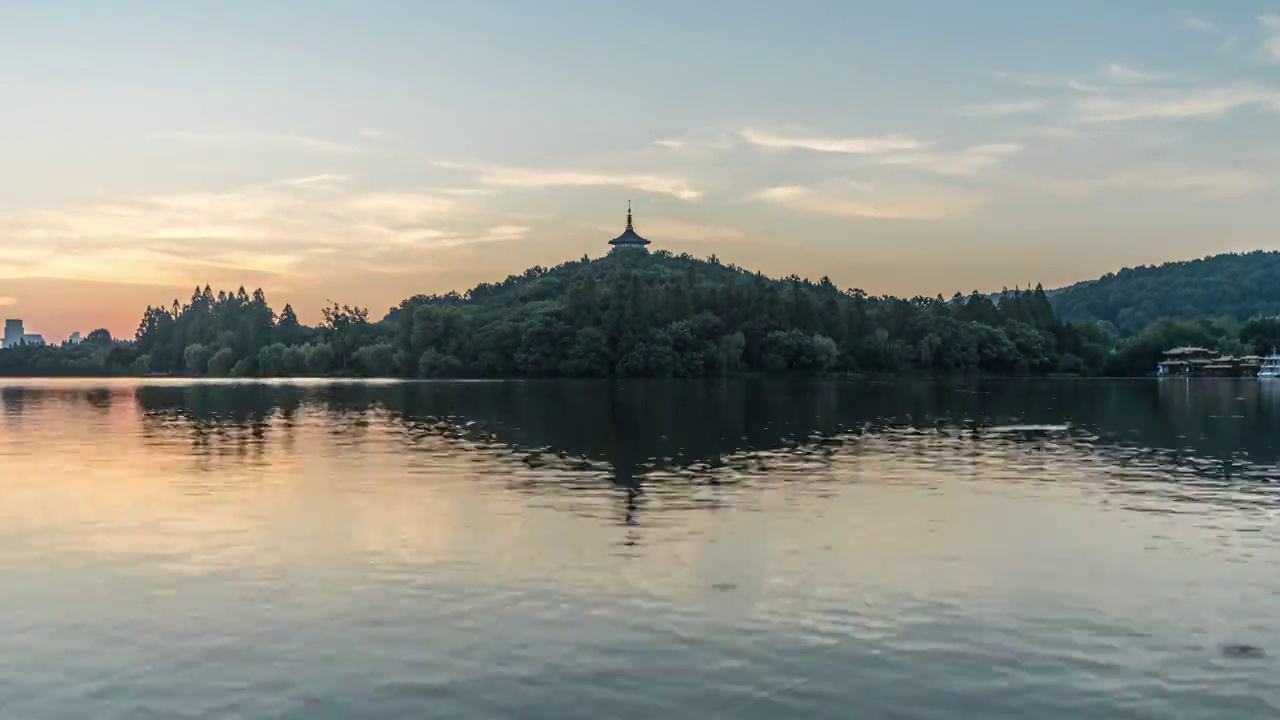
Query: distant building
x: 12, y: 333
x: 1185, y: 361
x: 629, y: 240
x: 1203, y: 362
x: 74, y: 339
x: 15, y: 334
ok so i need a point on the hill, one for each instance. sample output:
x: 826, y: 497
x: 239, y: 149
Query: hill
x: 1238, y: 286
x: 665, y: 315
x: 629, y: 314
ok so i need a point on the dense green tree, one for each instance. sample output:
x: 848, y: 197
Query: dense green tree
x: 434, y: 364
x: 346, y: 330
x: 288, y: 331
x: 375, y: 360
x: 1261, y: 335
x: 271, y: 360
x: 321, y: 358
x: 196, y: 358
x: 626, y: 314
x: 99, y: 337
x: 295, y: 360
x: 1139, y: 354
x: 1236, y: 285
x: 222, y: 362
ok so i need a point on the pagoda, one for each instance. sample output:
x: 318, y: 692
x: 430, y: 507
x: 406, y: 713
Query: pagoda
x: 629, y: 239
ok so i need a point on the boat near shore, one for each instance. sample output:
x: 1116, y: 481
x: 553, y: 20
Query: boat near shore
x: 1270, y: 366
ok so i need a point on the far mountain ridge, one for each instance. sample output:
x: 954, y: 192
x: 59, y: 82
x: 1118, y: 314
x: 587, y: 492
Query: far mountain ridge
x: 1238, y: 286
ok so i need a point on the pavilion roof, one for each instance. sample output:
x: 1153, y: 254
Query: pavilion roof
x: 629, y: 236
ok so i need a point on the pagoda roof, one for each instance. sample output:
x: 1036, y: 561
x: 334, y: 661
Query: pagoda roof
x: 629, y: 236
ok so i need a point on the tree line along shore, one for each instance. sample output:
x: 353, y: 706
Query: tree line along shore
x: 640, y: 315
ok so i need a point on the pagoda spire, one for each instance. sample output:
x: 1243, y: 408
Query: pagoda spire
x: 629, y: 238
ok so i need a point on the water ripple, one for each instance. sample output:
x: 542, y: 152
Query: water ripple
x: 564, y: 550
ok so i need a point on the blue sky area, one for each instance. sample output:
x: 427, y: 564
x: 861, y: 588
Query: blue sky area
x: 366, y: 151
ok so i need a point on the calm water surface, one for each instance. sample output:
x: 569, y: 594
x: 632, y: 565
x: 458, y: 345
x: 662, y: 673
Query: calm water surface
x: 594, y: 550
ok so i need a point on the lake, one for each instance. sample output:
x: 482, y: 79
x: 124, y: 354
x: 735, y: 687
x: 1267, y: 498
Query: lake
x: 735, y: 549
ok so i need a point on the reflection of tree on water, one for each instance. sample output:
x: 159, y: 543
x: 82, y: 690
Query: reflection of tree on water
x: 661, y: 437
x: 17, y: 400
x: 218, y: 419
x: 637, y: 426
x: 633, y: 428
x: 1233, y: 422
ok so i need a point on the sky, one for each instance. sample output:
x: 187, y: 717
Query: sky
x: 363, y: 152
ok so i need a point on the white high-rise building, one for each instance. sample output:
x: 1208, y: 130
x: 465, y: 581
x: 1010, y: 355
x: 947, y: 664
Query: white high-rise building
x: 12, y: 333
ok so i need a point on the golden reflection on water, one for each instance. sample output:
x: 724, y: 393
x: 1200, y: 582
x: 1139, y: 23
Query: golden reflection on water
x: 724, y: 550
x: 95, y: 472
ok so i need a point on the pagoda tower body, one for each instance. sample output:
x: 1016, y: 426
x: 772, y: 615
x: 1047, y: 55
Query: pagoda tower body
x: 629, y: 240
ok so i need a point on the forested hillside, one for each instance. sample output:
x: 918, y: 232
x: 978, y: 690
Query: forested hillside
x: 1236, y: 286
x: 627, y: 314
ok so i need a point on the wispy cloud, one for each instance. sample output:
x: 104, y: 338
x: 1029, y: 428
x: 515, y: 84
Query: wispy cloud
x: 997, y: 109
x: 466, y: 192
x: 311, y: 143
x: 1082, y: 87
x: 6, y: 301
x: 1195, y: 23
x: 1043, y: 82
x: 499, y: 233
x: 373, y: 134
x: 255, y: 138
x: 540, y: 178
x: 857, y: 200
x: 146, y: 265
x: 1051, y: 132
x: 865, y: 145
x: 507, y: 232
x: 326, y: 180
x: 1271, y: 46
x: 667, y: 228
x: 968, y: 161
x: 1169, y: 105
x: 301, y: 227
x: 199, y: 138
x: 1206, y: 183
x: 698, y: 140
x: 1125, y: 74
x: 401, y: 209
